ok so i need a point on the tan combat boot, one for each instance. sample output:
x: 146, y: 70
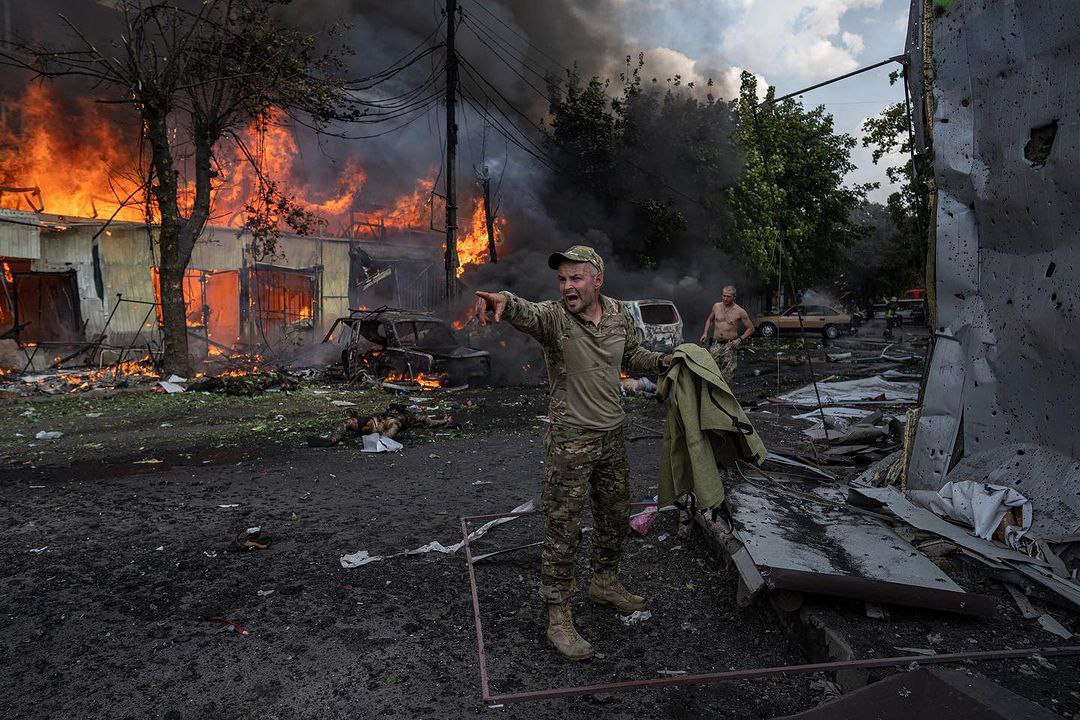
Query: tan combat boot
x: 563, y: 636
x: 606, y: 589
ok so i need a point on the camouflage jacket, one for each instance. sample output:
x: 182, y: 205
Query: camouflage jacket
x: 583, y: 359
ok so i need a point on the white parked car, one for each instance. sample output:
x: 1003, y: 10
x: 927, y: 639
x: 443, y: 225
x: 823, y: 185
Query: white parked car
x: 657, y: 322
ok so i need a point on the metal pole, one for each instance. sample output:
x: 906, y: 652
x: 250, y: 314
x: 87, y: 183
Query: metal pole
x: 450, y: 255
x: 830, y: 81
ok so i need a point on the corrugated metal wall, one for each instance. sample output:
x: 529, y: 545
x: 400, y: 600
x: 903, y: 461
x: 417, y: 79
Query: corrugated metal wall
x: 16, y: 239
x: 66, y: 250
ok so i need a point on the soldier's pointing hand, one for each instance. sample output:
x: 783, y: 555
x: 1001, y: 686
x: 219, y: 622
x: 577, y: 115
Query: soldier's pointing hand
x: 485, y: 301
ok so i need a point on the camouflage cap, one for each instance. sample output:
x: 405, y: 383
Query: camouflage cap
x: 578, y: 253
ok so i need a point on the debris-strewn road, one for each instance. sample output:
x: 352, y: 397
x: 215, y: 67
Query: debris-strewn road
x: 117, y: 543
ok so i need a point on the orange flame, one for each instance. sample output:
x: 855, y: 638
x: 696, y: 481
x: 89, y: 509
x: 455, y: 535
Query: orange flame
x: 86, y: 166
x: 427, y: 382
x: 78, y: 167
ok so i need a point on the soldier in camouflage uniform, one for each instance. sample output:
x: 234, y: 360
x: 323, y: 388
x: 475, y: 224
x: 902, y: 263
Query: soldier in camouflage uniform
x: 587, y: 338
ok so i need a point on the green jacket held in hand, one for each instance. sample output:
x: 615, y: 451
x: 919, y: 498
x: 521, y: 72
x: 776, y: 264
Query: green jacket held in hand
x: 705, y: 427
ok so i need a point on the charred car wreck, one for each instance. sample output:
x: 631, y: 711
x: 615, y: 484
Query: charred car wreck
x: 392, y: 344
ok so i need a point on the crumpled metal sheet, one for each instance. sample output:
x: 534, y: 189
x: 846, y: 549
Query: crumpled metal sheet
x: 1008, y: 289
x: 801, y: 545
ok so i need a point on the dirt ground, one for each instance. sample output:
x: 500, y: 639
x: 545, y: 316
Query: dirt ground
x: 117, y: 546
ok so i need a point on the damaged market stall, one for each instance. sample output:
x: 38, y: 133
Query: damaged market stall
x: 72, y: 283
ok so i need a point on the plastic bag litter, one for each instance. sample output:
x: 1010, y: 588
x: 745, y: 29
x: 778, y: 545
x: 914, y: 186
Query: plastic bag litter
x: 643, y: 520
x: 635, y: 617
x: 48, y: 435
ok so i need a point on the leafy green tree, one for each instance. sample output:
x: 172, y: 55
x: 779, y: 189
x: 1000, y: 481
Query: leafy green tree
x: 646, y: 163
x: 791, y: 201
x: 904, y: 253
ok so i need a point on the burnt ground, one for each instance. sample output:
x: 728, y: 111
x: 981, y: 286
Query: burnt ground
x: 117, y: 545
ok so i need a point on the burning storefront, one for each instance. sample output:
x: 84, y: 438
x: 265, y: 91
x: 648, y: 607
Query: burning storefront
x: 70, y: 282
x: 79, y: 251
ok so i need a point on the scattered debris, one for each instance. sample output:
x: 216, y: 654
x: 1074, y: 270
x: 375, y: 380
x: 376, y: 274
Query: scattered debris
x: 237, y: 627
x: 48, y: 435
x: 170, y: 387
x: 363, y: 557
x: 1049, y: 624
x: 253, y: 538
x: 635, y: 617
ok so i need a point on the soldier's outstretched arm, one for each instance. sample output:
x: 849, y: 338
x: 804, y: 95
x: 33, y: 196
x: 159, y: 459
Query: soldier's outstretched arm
x: 536, y: 319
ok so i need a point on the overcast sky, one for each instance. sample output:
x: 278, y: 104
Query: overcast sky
x: 791, y: 43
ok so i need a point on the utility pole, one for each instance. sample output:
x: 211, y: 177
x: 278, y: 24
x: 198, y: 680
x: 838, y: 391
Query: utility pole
x: 450, y: 256
x: 489, y: 216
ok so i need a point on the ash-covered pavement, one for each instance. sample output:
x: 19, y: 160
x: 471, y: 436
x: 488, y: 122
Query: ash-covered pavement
x: 118, y: 544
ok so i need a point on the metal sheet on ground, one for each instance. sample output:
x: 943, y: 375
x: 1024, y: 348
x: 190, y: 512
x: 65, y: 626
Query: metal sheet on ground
x: 802, y: 545
x: 923, y: 519
x: 930, y: 692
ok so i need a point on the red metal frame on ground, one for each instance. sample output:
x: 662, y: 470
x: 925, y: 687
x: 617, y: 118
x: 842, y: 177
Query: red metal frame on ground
x: 715, y: 677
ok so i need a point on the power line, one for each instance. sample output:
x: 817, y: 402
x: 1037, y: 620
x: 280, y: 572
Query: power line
x: 525, y: 38
x: 510, y: 65
x: 508, y: 135
x: 478, y: 77
x: 396, y: 67
x: 492, y: 35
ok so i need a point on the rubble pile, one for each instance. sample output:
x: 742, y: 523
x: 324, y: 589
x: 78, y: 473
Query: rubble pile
x: 245, y: 384
x: 122, y: 375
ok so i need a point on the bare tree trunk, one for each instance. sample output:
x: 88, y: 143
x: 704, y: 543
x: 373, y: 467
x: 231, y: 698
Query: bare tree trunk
x: 174, y: 320
x: 172, y: 261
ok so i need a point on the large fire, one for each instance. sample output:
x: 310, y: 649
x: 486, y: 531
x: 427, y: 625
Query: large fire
x: 86, y: 166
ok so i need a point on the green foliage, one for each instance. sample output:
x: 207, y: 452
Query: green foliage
x: 902, y: 261
x: 791, y: 199
x: 646, y: 164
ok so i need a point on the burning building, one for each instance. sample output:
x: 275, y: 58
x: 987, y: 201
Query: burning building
x: 80, y: 262
x: 67, y: 281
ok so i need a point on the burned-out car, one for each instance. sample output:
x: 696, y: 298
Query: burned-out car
x: 403, y: 344
x: 657, y: 323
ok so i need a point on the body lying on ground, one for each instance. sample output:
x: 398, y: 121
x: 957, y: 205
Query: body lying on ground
x: 391, y: 422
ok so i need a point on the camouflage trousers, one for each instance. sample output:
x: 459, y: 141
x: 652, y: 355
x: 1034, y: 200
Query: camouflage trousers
x: 723, y: 352
x: 582, y: 464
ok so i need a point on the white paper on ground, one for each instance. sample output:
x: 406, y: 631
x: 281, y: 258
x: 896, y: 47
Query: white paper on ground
x: 170, y: 387
x: 363, y: 557
x: 376, y: 443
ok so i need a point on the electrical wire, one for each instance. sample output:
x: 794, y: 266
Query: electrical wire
x: 477, y: 27
x: 510, y: 65
x: 562, y: 68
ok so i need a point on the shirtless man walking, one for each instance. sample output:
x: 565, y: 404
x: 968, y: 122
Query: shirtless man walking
x: 724, y: 320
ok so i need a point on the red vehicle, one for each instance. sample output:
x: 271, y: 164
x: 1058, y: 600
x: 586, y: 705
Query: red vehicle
x: 915, y: 294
